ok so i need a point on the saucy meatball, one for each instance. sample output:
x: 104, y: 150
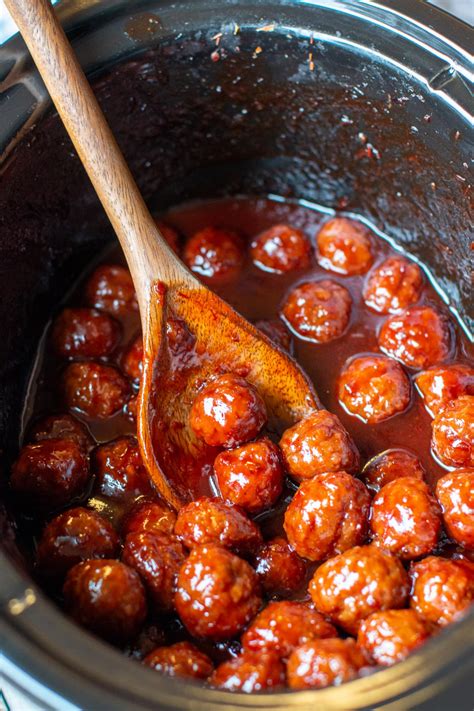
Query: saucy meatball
x: 276, y: 331
x: 149, y: 515
x: 316, y: 445
x: 132, y: 361
x: 374, y: 388
x: 283, y: 626
x: 111, y: 289
x: 388, y: 637
x: 214, y: 254
x: 84, y: 333
x: 158, y: 559
x: 324, y: 662
x: 327, y: 515
x: 352, y: 585
x: 217, y: 594
x: 453, y: 433
x: 63, y: 427
x: 442, y: 589
x: 418, y: 337
x: 393, y: 285
x: 119, y: 470
x: 75, y: 535
x: 227, y: 412
x: 249, y: 672
x: 207, y: 520
x: 280, y: 570
x: 439, y: 385
x: 455, y: 492
x: 318, y: 311
x: 406, y: 518
x: 390, y: 465
x: 182, y: 659
x: 281, y: 249
x: 50, y: 473
x: 251, y: 476
x: 344, y: 246
x: 107, y: 597
x: 97, y: 390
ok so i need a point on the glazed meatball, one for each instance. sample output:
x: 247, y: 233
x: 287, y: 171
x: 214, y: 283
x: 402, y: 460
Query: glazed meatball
x: 218, y: 593
x: 227, y: 412
x: 388, y: 637
x: 390, y: 465
x: 119, y: 470
x: 418, y: 337
x: 281, y: 249
x: 453, y: 433
x: 215, y: 255
x: 324, y: 662
x: 393, y: 286
x: 277, y: 332
x: 84, y: 333
x: 442, y: 589
x: 207, y: 520
x: 75, y: 535
x: 111, y: 289
x: 344, y: 246
x: 150, y: 516
x: 97, y: 390
x: 318, y: 311
x: 455, y: 492
x: 158, y: 559
x: 63, y: 427
x: 280, y: 570
x: 107, y: 597
x: 316, y: 445
x: 132, y: 361
x: 50, y: 473
x: 327, y: 515
x: 251, y: 476
x: 170, y: 234
x: 364, y: 579
x: 249, y: 672
x: 182, y: 659
x: 439, y: 385
x: 283, y: 626
x: 374, y: 388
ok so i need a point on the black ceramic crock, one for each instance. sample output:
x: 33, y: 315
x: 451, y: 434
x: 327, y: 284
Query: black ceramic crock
x: 353, y: 104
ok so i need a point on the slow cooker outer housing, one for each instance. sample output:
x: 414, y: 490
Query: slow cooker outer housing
x: 381, y: 125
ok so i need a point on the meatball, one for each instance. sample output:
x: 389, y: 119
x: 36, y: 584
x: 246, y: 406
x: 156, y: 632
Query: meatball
x: 364, y: 579
x: 453, y: 433
x: 406, y: 518
x: 281, y: 249
x: 251, y: 476
x: 170, y: 234
x: 418, y: 337
x: 374, y: 388
x: 280, y: 570
x: 131, y: 408
x: 227, y: 412
x: 390, y: 465
x: 316, y: 445
x: 344, y: 246
x: 393, y: 285
x: 439, y: 385
x: 277, y: 332
x: 327, y: 515
x: 63, y: 427
x: 218, y: 593
x: 215, y: 255
x: 182, y: 659
x: 324, y: 662
x: 111, y: 289
x: 97, y: 390
x: 119, y: 470
x: 50, y: 473
x: 455, y: 492
x: 75, y: 535
x: 158, y: 559
x: 84, y: 333
x: 132, y: 361
x: 318, y: 311
x: 442, y: 589
x: 150, y: 516
x: 283, y: 626
x: 249, y: 672
x: 388, y: 637
x: 107, y: 597
x: 208, y: 520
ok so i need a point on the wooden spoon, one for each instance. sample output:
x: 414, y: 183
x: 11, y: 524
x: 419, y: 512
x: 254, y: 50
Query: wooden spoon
x: 222, y: 341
